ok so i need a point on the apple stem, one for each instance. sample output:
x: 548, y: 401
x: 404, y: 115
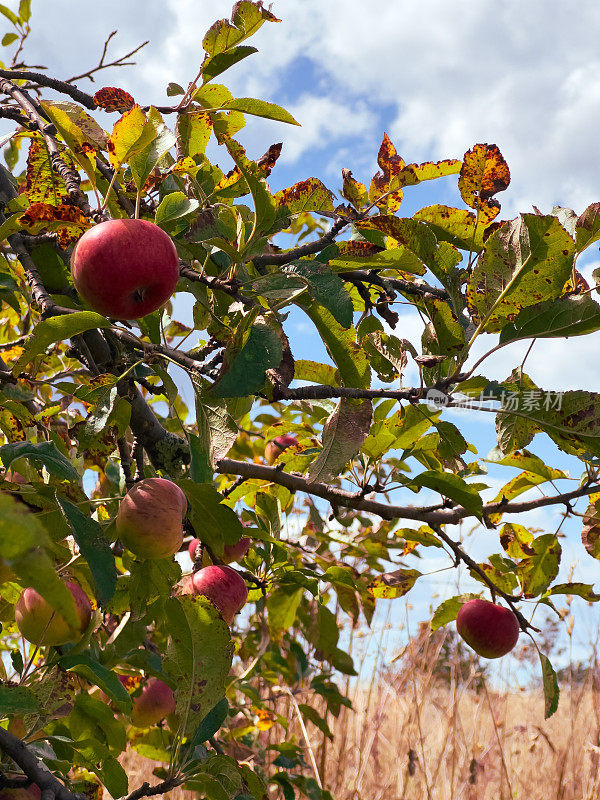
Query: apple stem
x: 107, y: 195
x: 138, y: 197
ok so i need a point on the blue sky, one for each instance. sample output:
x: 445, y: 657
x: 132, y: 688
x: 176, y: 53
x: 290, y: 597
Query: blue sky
x: 438, y: 76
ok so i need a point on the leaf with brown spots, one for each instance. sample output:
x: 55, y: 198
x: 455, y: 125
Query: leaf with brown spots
x: 131, y: 134
x: 590, y: 532
x: 390, y: 585
x: 484, y: 173
x: 42, y: 183
x: 412, y: 234
x: 516, y: 540
x: 55, y: 691
x: 526, y: 261
x: 68, y: 222
x: 454, y: 225
x: 246, y: 18
x: 537, y: 572
x: 354, y: 191
x: 267, y: 161
x: 587, y: 227
x: 198, y: 658
x: 391, y: 165
x: 111, y: 98
x: 307, y: 195
x: 412, y: 174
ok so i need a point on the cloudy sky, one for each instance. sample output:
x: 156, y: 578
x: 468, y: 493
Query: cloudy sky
x: 437, y: 75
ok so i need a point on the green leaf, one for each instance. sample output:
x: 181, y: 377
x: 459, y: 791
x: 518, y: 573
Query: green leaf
x: 341, y: 344
x: 326, y: 288
x: 247, y: 18
x: 87, y: 667
x: 523, y: 459
x: 217, y: 430
x: 193, y: 129
x: 25, y: 10
x: 9, y: 14
x: 215, y: 523
x: 43, y: 454
x: 390, y: 585
x: 210, y: 724
x: 264, y: 203
x: 452, y: 486
x: 151, y: 581
x: 260, y: 108
x: 246, y: 374
x: 587, y: 227
x: 201, y: 470
x: 585, y: 590
x: 94, y: 547
x: 17, y: 700
x: 537, y: 572
x: 453, y: 225
x: 315, y: 373
x: 310, y: 713
x: 282, y: 604
x: 174, y: 206
x: 198, y: 658
x: 526, y: 261
x: 131, y: 134
x: 448, y: 610
x: 550, y: 683
x: 20, y: 530
x: 114, y: 777
x: 143, y: 161
x: 343, y: 435
x: 57, y: 329
x: 222, y: 61
x: 571, y: 315
x: 9, y: 38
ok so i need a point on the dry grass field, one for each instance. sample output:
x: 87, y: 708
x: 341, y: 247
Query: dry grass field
x: 431, y: 727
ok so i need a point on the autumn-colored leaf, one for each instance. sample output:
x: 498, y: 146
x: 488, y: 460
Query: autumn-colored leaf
x: 391, y: 165
x: 484, y: 173
x: 393, y: 584
x: 307, y: 195
x: 354, y: 190
x: 68, y: 222
x: 111, y: 98
x: 42, y: 183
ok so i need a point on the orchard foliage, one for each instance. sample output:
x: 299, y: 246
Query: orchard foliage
x: 88, y: 408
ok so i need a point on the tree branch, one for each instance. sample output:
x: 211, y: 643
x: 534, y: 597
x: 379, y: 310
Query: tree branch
x: 35, y: 769
x: 418, y: 287
x: 355, y: 500
x: 52, y: 83
x: 229, y: 287
x: 279, y: 259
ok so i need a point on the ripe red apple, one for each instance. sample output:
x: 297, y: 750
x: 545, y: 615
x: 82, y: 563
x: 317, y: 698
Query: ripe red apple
x: 277, y: 445
x: 154, y: 703
x: 31, y: 792
x: 40, y: 624
x: 491, y: 630
x: 150, y: 518
x: 231, y: 552
x: 223, y: 586
x: 125, y: 268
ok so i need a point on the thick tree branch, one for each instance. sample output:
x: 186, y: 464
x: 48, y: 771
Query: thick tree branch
x: 45, y: 80
x: 228, y: 287
x: 355, y: 500
x: 325, y: 392
x: 35, y: 769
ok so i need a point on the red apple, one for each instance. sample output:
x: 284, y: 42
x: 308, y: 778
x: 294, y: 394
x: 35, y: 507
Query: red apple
x: 150, y: 518
x: 277, y: 445
x: 491, y: 630
x: 31, y: 792
x: 223, y: 586
x: 125, y: 268
x: 41, y: 624
x: 231, y: 552
x: 154, y: 703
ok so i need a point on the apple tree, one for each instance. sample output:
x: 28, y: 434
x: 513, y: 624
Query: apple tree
x: 304, y: 490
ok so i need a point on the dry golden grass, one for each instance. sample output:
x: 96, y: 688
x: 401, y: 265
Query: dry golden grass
x: 414, y: 736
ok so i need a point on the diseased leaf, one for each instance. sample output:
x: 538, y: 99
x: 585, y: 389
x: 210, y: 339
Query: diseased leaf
x: 143, y: 161
x: 538, y: 571
x: 585, y: 590
x: 192, y: 130
x: 525, y: 262
x: 587, y: 227
x: 590, y: 532
x: 573, y: 315
x: 247, y: 18
x: 15, y: 699
x: 111, y: 98
x: 307, y: 195
x: 131, y: 134
x: 87, y: 667
x: 343, y: 435
x: 390, y: 585
x: 454, y: 225
x: 516, y: 540
x: 326, y: 288
x: 484, y: 173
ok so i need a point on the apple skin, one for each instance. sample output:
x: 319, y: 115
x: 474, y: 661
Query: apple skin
x: 154, y: 703
x: 223, y: 586
x: 33, y: 613
x: 277, y: 445
x: 125, y: 268
x: 231, y: 552
x: 491, y: 630
x: 32, y: 792
x: 150, y: 518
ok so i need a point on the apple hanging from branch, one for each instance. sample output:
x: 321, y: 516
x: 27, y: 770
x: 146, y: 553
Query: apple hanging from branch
x: 125, y: 268
x: 150, y: 518
x: 491, y: 630
x: 155, y: 703
x: 40, y: 624
x: 276, y: 446
x: 223, y: 586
